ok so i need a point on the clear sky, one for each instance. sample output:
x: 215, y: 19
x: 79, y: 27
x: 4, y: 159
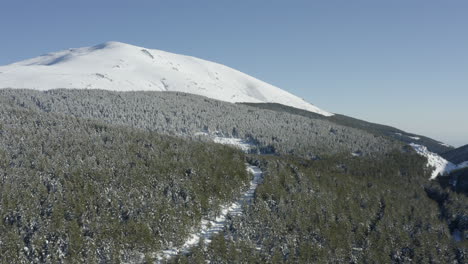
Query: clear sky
x: 401, y: 62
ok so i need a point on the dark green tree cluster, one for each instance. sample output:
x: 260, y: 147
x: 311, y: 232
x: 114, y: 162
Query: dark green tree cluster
x: 451, y: 194
x: 83, y: 191
x: 340, y: 210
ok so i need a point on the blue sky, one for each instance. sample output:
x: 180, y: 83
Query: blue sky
x: 402, y: 62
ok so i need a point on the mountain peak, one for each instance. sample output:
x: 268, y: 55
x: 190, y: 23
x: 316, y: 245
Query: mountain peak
x: 119, y: 66
x: 110, y: 44
x: 115, y: 44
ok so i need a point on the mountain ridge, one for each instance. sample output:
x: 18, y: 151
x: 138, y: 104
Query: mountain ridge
x: 389, y: 131
x: 457, y: 155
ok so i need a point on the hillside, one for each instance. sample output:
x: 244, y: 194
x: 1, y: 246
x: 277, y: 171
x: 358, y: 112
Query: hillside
x: 81, y: 191
x: 377, y: 129
x: 457, y: 155
x: 195, y: 116
x: 94, y: 176
x: 343, y: 210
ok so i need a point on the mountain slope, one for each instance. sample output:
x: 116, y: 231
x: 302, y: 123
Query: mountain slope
x: 376, y: 129
x: 122, y: 67
x: 190, y: 115
x: 113, y: 191
x: 457, y: 155
x: 83, y: 191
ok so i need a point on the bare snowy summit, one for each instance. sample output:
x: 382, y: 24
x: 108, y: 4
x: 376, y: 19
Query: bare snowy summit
x: 118, y: 66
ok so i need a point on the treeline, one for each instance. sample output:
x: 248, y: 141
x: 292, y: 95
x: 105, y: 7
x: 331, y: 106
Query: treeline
x: 339, y: 210
x: 185, y: 114
x: 373, y: 128
x: 83, y: 191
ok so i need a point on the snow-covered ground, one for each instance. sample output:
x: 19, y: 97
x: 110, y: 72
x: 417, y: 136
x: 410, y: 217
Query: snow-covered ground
x: 441, y: 166
x: 122, y: 67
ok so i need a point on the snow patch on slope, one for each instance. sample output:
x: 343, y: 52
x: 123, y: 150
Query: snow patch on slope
x: 122, y: 67
x: 403, y: 135
x: 441, y: 166
x: 235, y: 142
x: 444, y: 144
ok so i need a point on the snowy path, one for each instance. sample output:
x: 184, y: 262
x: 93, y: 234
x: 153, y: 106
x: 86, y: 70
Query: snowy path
x: 211, y: 227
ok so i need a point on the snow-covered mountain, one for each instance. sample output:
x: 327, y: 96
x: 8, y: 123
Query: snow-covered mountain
x: 122, y: 67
